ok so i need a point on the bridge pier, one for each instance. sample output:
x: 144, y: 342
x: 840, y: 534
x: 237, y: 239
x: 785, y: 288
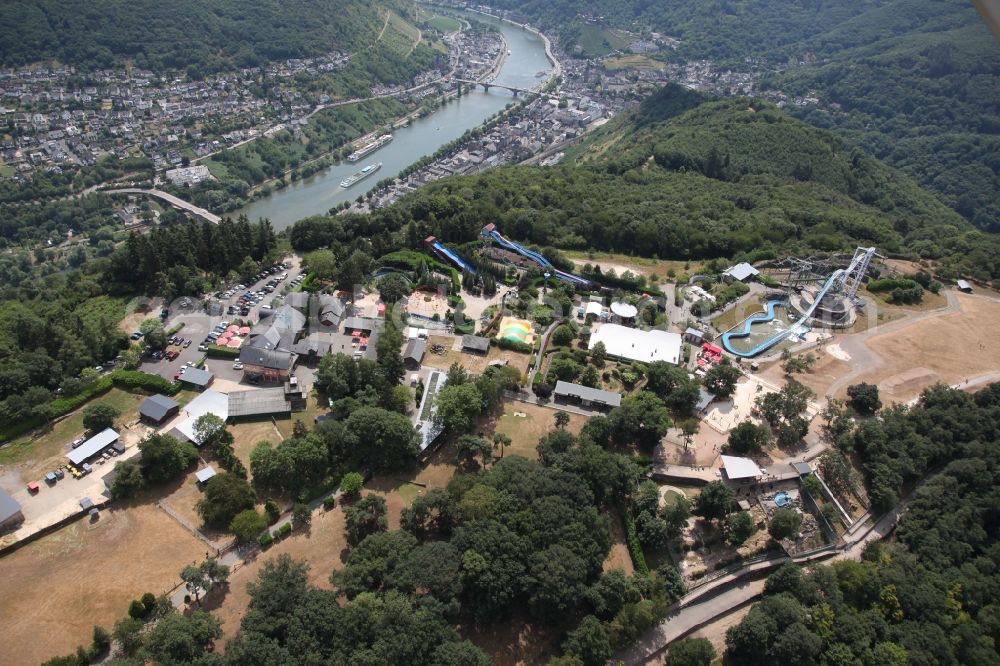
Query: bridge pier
x: 486, y: 87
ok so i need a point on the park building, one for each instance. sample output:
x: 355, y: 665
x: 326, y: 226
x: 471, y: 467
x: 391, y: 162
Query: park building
x: 632, y: 344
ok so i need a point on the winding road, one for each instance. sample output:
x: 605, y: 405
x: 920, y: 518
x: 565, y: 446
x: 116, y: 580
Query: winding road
x: 176, y: 202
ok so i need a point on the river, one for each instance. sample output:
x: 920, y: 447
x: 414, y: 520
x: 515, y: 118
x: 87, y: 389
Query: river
x: 319, y: 193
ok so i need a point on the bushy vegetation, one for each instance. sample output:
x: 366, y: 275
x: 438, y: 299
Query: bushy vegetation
x: 931, y: 595
x: 202, y: 39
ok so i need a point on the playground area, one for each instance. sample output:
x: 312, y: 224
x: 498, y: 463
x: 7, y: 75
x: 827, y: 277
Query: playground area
x: 516, y: 330
x: 724, y: 415
x: 427, y: 304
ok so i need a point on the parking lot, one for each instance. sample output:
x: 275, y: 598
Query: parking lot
x: 198, y: 324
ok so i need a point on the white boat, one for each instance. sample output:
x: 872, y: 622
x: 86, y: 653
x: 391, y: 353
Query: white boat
x: 369, y: 148
x: 360, y: 175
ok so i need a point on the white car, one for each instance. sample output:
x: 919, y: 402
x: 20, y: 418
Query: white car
x: 237, y: 365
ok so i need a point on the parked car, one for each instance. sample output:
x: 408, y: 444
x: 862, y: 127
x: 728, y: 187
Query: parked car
x: 237, y: 365
x: 136, y: 335
x: 172, y: 355
x: 202, y: 347
x: 187, y: 343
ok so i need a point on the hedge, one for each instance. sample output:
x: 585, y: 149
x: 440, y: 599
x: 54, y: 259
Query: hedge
x: 514, y: 345
x: 266, y: 540
x: 215, y: 351
x: 888, y: 284
x: 285, y: 530
x: 175, y: 329
x: 634, y: 547
x: 129, y: 380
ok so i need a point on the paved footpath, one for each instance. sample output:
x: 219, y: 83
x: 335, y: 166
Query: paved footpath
x: 701, y: 606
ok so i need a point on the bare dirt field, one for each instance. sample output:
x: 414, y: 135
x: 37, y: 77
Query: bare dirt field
x: 474, y: 363
x: 641, y: 265
x: 619, y: 557
x: 86, y: 574
x: 948, y: 348
x: 247, y: 435
x: 825, y: 370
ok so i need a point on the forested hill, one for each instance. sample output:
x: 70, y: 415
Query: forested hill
x: 917, y: 85
x: 739, y: 138
x: 682, y: 178
x: 210, y: 36
x: 707, y: 28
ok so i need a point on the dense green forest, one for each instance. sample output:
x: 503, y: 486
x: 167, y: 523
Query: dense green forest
x: 708, y: 29
x: 926, y: 101
x: 184, y: 34
x: 932, y: 596
x: 56, y: 326
x: 734, y: 178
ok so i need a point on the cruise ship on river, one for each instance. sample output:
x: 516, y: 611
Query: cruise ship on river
x: 369, y: 148
x: 360, y: 175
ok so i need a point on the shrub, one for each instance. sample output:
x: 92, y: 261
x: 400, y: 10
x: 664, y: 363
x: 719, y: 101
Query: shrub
x: 285, y: 530
x: 266, y: 540
x: 329, y: 502
x: 272, y: 510
x: 137, y: 610
x: 634, y: 545
x: 352, y: 483
x: 247, y: 525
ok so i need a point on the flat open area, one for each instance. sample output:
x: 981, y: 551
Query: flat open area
x: 474, y: 363
x: 948, y: 348
x: 86, y: 574
x: 45, y: 449
x: 526, y: 423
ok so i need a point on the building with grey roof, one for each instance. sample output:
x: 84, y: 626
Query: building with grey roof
x: 93, y: 446
x: 10, y: 511
x: 591, y: 397
x: 157, y: 408
x: 743, y: 272
x: 413, y: 355
x: 475, y: 344
x: 259, y: 402
x: 197, y: 378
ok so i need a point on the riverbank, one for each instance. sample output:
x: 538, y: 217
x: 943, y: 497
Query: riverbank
x: 280, y: 182
x: 556, y: 65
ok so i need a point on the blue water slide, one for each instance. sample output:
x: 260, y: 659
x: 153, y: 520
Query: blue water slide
x: 451, y: 256
x: 520, y: 249
x: 767, y: 316
x: 569, y: 277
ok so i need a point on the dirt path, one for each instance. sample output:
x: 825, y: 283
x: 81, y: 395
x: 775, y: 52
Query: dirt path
x: 420, y: 38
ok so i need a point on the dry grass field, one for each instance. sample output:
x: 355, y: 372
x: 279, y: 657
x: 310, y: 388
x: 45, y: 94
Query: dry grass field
x: 949, y: 348
x: 86, y: 574
x: 474, y: 363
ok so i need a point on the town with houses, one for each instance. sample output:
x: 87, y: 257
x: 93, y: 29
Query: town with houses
x: 61, y: 119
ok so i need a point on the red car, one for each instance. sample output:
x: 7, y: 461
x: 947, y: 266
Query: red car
x: 172, y: 355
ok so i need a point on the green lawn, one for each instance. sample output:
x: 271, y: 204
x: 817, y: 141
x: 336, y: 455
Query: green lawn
x: 444, y: 23
x: 217, y: 169
x: 50, y: 441
x: 598, y: 41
